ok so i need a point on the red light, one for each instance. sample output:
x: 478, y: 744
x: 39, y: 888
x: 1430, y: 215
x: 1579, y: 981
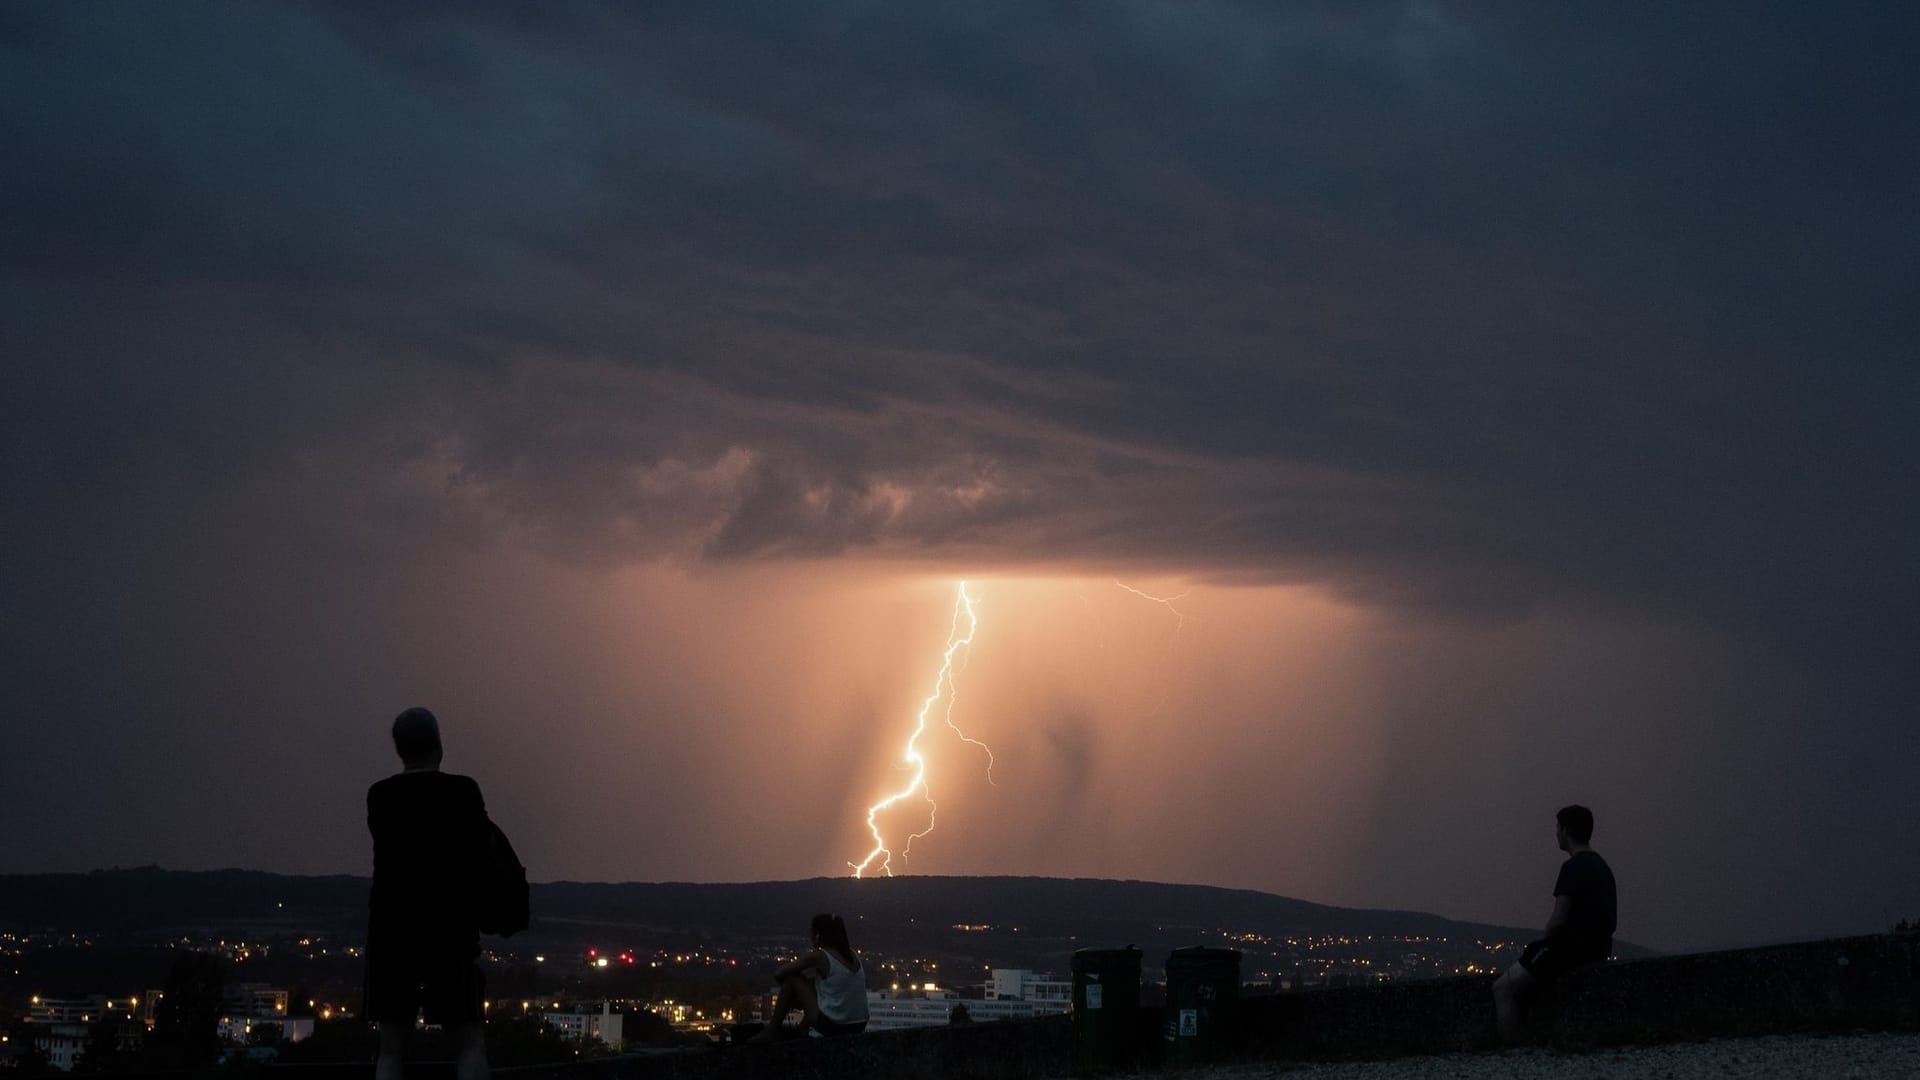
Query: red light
x: 626, y: 958
x: 591, y: 953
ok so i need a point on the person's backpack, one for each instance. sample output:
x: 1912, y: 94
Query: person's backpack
x: 501, y: 907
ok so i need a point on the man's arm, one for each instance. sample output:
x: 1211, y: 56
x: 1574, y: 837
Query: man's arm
x: 1562, y: 910
x: 478, y: 830
x: 375, y: 814
x: 477, y: 805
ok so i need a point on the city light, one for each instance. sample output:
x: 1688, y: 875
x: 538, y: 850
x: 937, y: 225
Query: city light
x: 1279, y: 959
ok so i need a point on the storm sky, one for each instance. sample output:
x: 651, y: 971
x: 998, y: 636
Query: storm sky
x: 1520, y: 403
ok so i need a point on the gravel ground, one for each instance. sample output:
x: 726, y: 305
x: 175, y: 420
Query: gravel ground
x: 1834, y: 1057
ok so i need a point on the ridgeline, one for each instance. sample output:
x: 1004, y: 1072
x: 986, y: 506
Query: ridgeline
x: 1048, y: 916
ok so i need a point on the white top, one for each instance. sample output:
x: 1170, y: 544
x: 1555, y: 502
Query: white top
x: 843, y: 991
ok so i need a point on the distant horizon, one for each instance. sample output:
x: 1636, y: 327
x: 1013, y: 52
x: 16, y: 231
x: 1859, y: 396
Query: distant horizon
x: 365, y: 876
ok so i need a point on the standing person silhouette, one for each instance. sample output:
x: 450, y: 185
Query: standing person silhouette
x: 429, y: 828
x: 827, y: 986
x: 1580, y: 930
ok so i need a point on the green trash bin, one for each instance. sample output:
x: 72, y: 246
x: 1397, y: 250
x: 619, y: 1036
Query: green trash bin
x: 1106, y: 1008
x: 1203, y: 1004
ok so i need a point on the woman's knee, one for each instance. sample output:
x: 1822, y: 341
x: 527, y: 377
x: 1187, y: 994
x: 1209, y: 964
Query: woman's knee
x: 797, y: 989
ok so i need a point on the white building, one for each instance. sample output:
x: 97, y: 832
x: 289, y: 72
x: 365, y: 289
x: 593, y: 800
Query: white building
x: 1020, y: 985
x: 242, y: 1029
x: 1011, y: 994
x: 61, y: 1044
x: 61, y: 1027
x: 890, y: 1010
x: 250, y: 1010
x: 254, y: 999
x: 582, y: 1024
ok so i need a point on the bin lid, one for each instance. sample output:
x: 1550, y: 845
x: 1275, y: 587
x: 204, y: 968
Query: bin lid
x: 1206, y: 951
x: 1103, y: 959
x: 1204, y: 958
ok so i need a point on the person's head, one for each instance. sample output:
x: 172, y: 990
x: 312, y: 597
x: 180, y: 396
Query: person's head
x: 416, y: 738
x: 1576, y: 826
x: 831, y: 931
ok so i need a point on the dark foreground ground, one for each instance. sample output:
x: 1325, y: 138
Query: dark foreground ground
x: 1774, y: 1057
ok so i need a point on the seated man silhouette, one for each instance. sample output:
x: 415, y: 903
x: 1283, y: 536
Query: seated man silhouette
x: 1580, y: 930
x: 429, y: 829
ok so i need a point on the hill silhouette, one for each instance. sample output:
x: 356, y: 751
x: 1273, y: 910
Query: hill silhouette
x: 1087, y: 908
x: 1049, y: 916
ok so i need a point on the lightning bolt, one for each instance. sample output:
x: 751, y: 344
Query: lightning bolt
x: 1180, y: 620
x: 1164, y: 601
x: 958, y: 645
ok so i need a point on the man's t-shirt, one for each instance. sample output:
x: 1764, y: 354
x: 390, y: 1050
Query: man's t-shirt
x: 428, y: 830
x: 1587, y: 883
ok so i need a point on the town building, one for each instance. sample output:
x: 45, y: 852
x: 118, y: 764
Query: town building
x: 60, y: 1028
x: 582, y: 1024
x: 1011, y: 994
x: 1018, y: 984
x: 257, y: 1012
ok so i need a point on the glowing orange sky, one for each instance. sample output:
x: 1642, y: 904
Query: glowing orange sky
x: 736, y: 725
x: 1111, y: 728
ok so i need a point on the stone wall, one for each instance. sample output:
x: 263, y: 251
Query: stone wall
x: 1014, y: 1049
x: 1845, y: 984
x: 1865, y: 982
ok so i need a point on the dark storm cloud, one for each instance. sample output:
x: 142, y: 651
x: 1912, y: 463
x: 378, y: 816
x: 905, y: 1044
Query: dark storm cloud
x: 1450, y: 309
x: 1598, y: 307
x: 1619, y: 311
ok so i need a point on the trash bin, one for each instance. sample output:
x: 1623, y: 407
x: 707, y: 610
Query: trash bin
x: 1106, y: 1008
x: 1203, y: 1004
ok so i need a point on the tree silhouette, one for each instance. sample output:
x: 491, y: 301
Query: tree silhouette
x: 186, y: 1028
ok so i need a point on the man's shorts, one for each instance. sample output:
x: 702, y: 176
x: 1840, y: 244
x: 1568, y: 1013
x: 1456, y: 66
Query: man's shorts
x: 1546, y: 961
x: 406, y: 980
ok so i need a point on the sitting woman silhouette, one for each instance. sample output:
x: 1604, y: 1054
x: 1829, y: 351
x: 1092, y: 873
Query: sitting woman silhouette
x: 827, y: 986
